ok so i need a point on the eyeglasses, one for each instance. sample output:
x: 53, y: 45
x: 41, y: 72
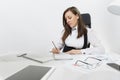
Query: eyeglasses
x: 88, y: 63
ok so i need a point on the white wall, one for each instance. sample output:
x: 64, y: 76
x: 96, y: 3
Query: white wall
x: 112, y: 31
x: 30, y: 25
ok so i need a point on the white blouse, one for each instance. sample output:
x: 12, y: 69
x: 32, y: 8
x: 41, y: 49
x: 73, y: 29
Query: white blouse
x: 72, y: 41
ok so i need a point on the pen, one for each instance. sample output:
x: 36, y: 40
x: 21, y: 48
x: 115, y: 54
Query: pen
x: 93, y: 58
x: 24, y: 56
x: 96, y: 58
x: 54, y: 45
x: 55, y: 48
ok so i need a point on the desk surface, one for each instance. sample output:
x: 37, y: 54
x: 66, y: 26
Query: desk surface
x: 64, y: 69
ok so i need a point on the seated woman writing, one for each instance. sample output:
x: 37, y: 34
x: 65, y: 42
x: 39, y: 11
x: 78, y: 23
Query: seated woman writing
x: 72, y: 40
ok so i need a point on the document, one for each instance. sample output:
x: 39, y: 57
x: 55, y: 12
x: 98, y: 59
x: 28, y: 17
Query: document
x: 63, y: 56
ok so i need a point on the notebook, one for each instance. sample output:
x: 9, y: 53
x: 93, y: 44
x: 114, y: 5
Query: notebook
x: 32, y: 73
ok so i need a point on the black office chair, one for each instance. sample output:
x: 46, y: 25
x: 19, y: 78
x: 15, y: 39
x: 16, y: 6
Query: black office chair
x: 86, y: 19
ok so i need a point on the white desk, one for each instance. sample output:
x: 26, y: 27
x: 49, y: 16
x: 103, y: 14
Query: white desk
x: 62, y: 72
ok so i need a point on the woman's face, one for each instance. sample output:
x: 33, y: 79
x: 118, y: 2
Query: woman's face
x: 71, y: 19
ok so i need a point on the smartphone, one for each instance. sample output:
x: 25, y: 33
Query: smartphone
x: 114, y: 65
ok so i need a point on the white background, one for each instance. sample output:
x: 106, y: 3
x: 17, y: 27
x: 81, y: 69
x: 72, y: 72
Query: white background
x: 30, y: 25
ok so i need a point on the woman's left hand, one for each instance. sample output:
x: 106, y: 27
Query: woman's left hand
x: 73, y: 52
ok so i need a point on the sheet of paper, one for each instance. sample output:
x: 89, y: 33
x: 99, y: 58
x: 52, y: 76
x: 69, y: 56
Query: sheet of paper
x: 63, y: 56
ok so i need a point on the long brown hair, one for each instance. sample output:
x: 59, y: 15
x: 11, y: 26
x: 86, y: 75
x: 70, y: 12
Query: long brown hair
x: 67, y: 29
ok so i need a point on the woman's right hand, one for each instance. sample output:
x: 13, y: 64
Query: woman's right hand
x: 55, y: 51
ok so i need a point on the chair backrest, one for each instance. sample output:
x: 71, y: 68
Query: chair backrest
x: 86, y: 19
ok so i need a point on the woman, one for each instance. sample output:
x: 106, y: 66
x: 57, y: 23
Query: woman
x: 72, y: 40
